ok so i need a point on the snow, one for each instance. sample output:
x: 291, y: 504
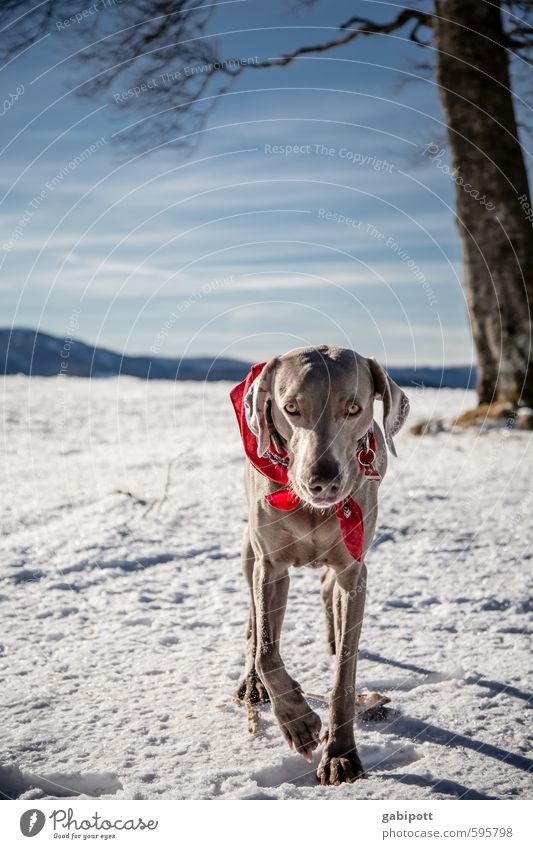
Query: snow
x: 124, y: 614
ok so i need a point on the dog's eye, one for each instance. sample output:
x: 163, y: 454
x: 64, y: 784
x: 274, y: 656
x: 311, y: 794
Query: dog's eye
x: 353, y: 409
x: 292, y: 409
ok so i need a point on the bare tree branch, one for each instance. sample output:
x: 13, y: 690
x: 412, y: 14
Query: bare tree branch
x: 405, y: 16
x: 19, y: 31
x: 365, y: 27
x: 158, y: 63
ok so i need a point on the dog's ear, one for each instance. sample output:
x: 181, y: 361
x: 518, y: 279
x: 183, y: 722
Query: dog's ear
x: 395, y: 402
x: 255, y: 406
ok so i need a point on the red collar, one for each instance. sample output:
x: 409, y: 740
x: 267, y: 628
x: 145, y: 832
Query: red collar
x: 274, y: 466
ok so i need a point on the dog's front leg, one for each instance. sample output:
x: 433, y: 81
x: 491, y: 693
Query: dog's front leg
x: 299, y: 724
x: 340, y: 761
x: 251, y: 690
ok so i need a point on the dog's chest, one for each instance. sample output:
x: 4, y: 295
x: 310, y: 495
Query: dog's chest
x: 308, y: 538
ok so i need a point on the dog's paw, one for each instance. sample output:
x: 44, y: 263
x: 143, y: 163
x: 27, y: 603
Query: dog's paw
x: 252, y: 690
x: 339, y: 767
x: 300, y: 726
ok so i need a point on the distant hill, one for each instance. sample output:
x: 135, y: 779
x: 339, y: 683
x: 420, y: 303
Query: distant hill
x: 27, y: 351
x: 449, y: 377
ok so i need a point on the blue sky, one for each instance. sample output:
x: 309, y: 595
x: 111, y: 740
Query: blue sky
x: 239, y: 249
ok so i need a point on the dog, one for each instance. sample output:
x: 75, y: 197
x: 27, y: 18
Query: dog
x: 316, y: 458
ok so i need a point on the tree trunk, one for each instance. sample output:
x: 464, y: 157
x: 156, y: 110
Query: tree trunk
x: 493, y: 199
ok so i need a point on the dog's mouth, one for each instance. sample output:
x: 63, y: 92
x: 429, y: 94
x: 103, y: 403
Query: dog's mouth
x: 321, y: 503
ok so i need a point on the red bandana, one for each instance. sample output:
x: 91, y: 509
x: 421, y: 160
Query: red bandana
x: 274, y: 466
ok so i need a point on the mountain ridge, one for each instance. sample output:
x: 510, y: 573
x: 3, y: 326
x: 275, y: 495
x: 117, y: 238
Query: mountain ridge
x: 32, y: 352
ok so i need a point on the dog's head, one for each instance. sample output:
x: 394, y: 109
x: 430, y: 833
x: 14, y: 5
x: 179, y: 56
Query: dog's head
x: 321, y: 402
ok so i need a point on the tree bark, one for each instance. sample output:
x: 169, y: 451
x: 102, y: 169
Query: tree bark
x: 497, y: 243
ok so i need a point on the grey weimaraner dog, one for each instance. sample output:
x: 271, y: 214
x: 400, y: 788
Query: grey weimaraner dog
x: 318, y: 404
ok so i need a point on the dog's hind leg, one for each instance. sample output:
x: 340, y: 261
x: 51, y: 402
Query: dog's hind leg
x: 327, y: 586
x: 251, y: 689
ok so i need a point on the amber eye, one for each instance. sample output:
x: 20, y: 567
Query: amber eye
x: 292, y: 409
x: 353, y: 409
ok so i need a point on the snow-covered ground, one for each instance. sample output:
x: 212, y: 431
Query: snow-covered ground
x: 123, y: 622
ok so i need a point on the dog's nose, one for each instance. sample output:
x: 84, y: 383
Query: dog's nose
x: 324, y: 479
x: 317, y: 485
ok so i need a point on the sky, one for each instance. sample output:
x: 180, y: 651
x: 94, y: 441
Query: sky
x: 312, y: 209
